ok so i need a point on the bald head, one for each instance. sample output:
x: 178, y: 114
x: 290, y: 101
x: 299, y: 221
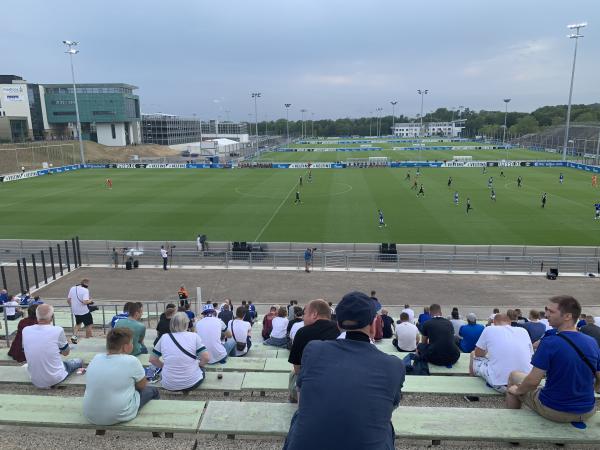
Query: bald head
x: 316, y: 310
x: 44, y: 313
x: 501, y: 319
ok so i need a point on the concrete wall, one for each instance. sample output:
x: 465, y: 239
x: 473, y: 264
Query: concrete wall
x: 14, y: 101
x: 105, y: 137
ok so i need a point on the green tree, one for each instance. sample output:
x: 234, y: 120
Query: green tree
x: 525, y: 125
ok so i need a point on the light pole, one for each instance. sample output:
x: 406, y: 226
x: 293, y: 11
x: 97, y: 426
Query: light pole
x: 575, y: 36
x: 287, y: 121
x: 370, y: 122
x: 256, y: 95
x: 312, y: 124
x: 422, y: 93
x: 379, y: 121
x: 73, y: 51
x: 394, y: 103
x: 303, y: 125
x: 506, y: 100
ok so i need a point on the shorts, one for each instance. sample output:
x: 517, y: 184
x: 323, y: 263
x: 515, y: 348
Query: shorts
x: 481, y: 368
x: 532, y: 400
x: 86, y: 319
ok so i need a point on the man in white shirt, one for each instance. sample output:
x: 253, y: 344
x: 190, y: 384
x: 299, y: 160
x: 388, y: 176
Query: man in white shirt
x: 165, y: 256
x: 13, y: 312
x: 410, y: 312
x: 79, y: 299
x: 407, y: 334
x: 44, y: 344
x: 240, y: 331
x: 500, y: 350
x: 213, y: 331
x: 295, y: 329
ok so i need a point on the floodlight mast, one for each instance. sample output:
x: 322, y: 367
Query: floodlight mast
x: 72, y: 51
x: 575, y: 36
x: 422, y: 93
x: 256, y: 95
x: 287, y: 120
x: 506, y: 100
x: 393, y: 103
x: 303, y: 125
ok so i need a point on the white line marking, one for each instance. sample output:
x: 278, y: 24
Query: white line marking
x: 275, y: 213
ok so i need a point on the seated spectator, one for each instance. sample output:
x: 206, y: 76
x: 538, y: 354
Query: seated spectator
x: 24, y: 299
x: 570, y: 362
x: 138, y: 329
x: 16, y: 348
x: 226, y: 315
x: 164, y: 323
x: 456, y: 321
x: 43, y: 345
x: 290, y: 309
x: 3, y: 298
x: 407, y: 335
x: 13, y: 311
x: 268, y: 322
x: 423, y: 317
x: 37, y: 300
x: 332, y: 370
x: 500, y: 350
x: 545, y: 321
x: 491, y: 318
x: 520, y: 318
x: 213, y: 332
x: 410, y: 312
x: 181, y: 355
x: 378, y: 336
x: 469, y: 334
x: 388, y: 324
x: 116, y: 387
x: 591, y: 329
x: 294, y: 330
x: 534, y: 327
x: 240, y: 331
x: 278, y: 333
x: 298, y: 313
x: 513, y: 316
x: 251, y: 310
x: 376, y: 301
x: 438, y: 345
x: 191, y: 316
x: 122, y: 315
x: 183, y: 295
x: 581, y: 322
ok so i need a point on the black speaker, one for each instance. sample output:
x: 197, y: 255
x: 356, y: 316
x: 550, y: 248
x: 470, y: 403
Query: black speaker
x: 128, y: 265
x: 383, y: 248
x: 552, y: 274
x: 392, y: 249
x: 136, y: 264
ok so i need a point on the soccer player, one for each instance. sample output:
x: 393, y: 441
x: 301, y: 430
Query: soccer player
x: 469, y: 207
x: 297, y: 201
x: 519, y: 181
x: 108, y: 183
x: 310, y: 175
x: 415, y: 185
x: 449, y: 182
x: 300, y: 182
x: 418, y: 171
x: 484, y: 169
x: 544, y: 200
x: 490, y: 182
x: 594, y: 181
x: 407, y: 177
x: 421, y: 191
x: 493, y: 195
x: 381, y: 221
x: 455, y: 198
x: 561, y: 178
x: 597, y: 207
x: 502, y: 173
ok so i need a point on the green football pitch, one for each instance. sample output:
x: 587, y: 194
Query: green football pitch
x: 340, y: 205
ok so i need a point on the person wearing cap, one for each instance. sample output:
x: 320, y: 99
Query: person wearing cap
x: 347, y: 387
x: 438, y: 345
x: 469, y: 334
x: 213, y: 331
x: 500, y: 350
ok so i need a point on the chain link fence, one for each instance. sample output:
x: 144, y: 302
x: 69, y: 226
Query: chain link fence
x: 32, y: 156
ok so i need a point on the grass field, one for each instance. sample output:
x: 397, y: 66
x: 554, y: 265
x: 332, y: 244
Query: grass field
x: 338, y: 206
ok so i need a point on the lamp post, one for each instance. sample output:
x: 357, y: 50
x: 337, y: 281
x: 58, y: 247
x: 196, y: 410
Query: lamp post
x: 370, y: 122
x: 379, y: 121
x: 303, y: 125
x: 287, y: 121
x: 73, y: 51
x: 256, y: 95
x: 506, y: 100
x: 393, y: 103
x: 312, y: 124
x: 422, y: 93
x: 575, y: 36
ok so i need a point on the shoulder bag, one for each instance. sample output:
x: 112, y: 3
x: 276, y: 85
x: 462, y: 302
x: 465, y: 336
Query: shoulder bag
x: 183, y: 350
x: 579, y: 352
x: 239, y: 346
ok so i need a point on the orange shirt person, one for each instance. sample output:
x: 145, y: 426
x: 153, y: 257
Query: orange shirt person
x: 183, y: 295
x: 594, y: 181
x: 108, y: 183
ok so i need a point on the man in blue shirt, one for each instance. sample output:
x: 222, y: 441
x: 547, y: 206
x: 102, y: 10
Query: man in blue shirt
x: 569, y: 360
x: 347, y: 387
x: 470, y: 334
x: 534, y: 327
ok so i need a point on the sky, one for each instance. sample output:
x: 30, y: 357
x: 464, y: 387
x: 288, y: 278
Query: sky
x: 333, y: 58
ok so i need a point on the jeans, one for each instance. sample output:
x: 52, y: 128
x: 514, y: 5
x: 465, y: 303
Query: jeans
x: 147, y: 394
x: 276, y: 342
x: 230, y: 347
x: 71, y: 365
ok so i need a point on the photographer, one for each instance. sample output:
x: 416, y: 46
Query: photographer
x: 308, y: 258
x: 79, y: 300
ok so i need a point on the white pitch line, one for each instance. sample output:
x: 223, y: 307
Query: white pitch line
x: 274, y: 214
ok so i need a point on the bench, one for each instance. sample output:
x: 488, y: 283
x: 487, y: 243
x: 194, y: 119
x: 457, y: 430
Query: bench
x: 169, y: 416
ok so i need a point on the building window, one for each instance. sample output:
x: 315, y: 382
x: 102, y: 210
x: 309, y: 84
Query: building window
x: 113, y: 131
x: 103, y: 113
x: 64, y: 113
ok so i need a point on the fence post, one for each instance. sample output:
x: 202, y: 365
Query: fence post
x: 104, y: 321
x: 78, y: 250
x: 4, y: 286
x: 26, y: 275
x: 75, y: 258
x: 60, y: 266
x: 44, y: 267
x: 67, y: 255
x: 35, y: 274
x: 52, y: 263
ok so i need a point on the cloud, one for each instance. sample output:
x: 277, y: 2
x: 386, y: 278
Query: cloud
x: 369, y: 79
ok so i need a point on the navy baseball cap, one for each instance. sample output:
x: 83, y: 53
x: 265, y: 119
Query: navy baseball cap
x: 355, y: 311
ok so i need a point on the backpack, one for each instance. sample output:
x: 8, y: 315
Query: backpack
x: 267, y: 326
x: 415, y: 365
x: 378, y: 328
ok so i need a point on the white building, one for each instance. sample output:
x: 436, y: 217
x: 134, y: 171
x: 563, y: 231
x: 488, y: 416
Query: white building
x: 413, y: 130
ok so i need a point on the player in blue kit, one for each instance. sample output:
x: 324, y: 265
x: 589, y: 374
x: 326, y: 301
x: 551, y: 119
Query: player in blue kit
x: 381, y: 221
x: 490, y: 182
x: 456, y: 198
x: 493, y: 195
x: 597, y: 207
x: 561, y: 178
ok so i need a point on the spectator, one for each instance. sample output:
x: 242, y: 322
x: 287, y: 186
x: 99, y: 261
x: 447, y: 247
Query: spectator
x: 290, y: 309
x: 181, y: 355
x: 43, y: 345
x: 13, y: 310
x: 437, y: 342
x: 164, y: 323
x: 122, y: 315
x: 533, y: 326
x: 407, y: 335
x: 278, y: 333
x: 388, y: 324
x: 333, y: 369
x: 240, y: 331
x: 137, y: 328
x: 115, y: 258
x: 469, y: 334
x: 423, y: 317
x: 183, y: 295
x: 378, y: 336
x: 376, y: 300
x: 308, y: 259
x: 227, y: 302
x: 251, y: 310
x: 268, y: 322
x: 37, y: 300
x: 332, y: 310
x: 520, y: 318
x: 79, y: 300
x: 16, y: 348
x: 512, y: 316
x: 456, y: 321
x: 545, y: 321
x: 297, y: 317
x: 491, y: 318
x: 591, y: 329
x: 569, y: 360
x: 500, y: 350
x: 226, y: 315
x: 213, y: 331
x: 116, y: 387
x: 582, y: 321
x: 317, y: 325
x: 411, y: 314
x: 3, y: 298
x: 191, y: 316
x: 294, y: 330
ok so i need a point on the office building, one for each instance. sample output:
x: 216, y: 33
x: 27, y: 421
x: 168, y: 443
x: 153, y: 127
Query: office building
x: 429, y: 129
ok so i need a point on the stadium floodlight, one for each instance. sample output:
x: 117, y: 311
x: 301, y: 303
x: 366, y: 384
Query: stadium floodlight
x: 378, y: 121
x: 422, y: 93
x: 393, y: 103
x: 303, y: 125
x: 287, y: 120
x: 575, y: 36
x: 72, y: 51
x: 256, y: 95
x: 506, y: 100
